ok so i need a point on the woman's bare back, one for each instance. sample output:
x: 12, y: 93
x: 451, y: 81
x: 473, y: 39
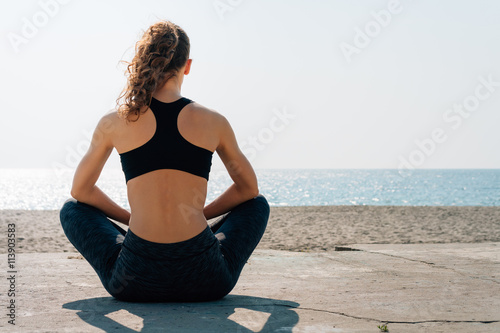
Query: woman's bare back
x: 167, y: 205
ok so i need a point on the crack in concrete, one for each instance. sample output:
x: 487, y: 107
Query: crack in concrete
x: 339, y: 313
x: 433, y: 265
x: 400, y: 257
x: 399, y: 322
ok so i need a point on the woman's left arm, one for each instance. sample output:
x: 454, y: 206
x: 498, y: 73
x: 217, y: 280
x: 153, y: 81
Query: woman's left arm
x: 89, y: 169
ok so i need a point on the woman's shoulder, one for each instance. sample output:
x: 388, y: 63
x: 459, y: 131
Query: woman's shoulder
x: 202, y: 110
x: 110, y: 125
x: 110, y: 121
x: 204, y: 114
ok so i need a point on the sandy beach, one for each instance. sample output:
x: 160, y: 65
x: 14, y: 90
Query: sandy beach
x: 307, y: 228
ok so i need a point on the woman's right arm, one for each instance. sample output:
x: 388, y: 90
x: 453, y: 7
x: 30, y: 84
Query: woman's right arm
x: 240, y: 170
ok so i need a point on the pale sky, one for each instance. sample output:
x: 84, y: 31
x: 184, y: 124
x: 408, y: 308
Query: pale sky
x: 305, y: 84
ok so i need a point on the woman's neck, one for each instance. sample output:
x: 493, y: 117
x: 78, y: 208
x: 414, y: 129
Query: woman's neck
x: 170, y: 91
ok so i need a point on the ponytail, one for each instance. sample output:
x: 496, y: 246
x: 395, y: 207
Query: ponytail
x: 161, y: 52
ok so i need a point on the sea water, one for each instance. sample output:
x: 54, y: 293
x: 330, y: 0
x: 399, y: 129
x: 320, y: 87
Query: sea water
x: 43, y: 189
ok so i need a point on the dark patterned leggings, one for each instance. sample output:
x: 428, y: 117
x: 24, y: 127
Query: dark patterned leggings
x: 205, y: 267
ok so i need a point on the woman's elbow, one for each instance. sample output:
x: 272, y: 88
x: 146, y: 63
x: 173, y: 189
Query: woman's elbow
x: 247, y: 191
x: 78, y: 193
x: 254, y: 192
x: 75, y: 194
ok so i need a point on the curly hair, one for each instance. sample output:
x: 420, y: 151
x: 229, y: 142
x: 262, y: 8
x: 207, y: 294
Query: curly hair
x: 159, y: 54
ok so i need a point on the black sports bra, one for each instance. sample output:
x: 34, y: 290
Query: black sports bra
x: 167, y: 149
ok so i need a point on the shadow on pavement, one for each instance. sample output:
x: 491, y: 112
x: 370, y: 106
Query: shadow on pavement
x: 234, y: 313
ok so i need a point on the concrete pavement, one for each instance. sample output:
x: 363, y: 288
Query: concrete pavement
x: 411, y: 288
